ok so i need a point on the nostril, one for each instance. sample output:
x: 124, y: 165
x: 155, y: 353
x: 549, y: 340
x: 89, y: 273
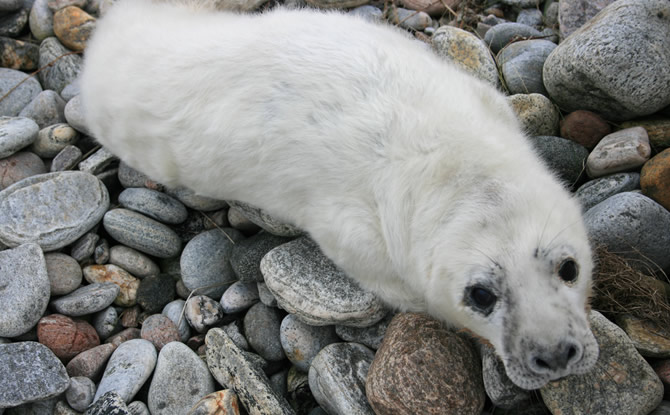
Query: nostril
x: 572, y: 352
x: 542, y: 364
x: 557, y: 360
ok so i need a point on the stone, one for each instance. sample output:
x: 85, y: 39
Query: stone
x: 650, y: 339
x: 74, y: 115
x: 123, y: 336
x: 655, y: 178
x: 499, y: 388
x: 371, y: 337
x: 21, y: 88
x: 130, y: 177
x: 73, y: 27
x: 264, y: 220
x: 584, y: 127
x: 173, y: 311
x: 12, y: 24
x: 133, y: 261
x: 595, y: 191
x: 10, y: 5
x: 619, y: 151
x: 246, y: 255
x: 41, y: 20
x: 658, y: 130
x: 240, y: 222
x: 91, y: 362
x: 54, y: 138
x: 466, y: 51
x: 196, y: 202
x: 101, y: 252
x: 306, y: 283
x: 265, y: 295
x: 16, y: 133
x: 239, y: 297
x: 106, y: 322
x: 110, y: 403
x: 64, y: 273
x: 138, y: 407
x: 234, y: 331
x: 503, y: 34
x: 20, y: 166
x: 84, y: 247
x: 537, y: 114
x: 407, y: 375
x: 302, y: 342
x: 45, y: 109
x: 530, y: 17
x: 55, y: 5
x: 25, y: 289
x: 564, y: 157
x: 128, y: 368
x: 521, y: 65
x: 202, y: 312
x: 87, y: 300
x: 223, y: 402
x: 97, y: 162
x: 71, y: 90
x: 80, y: 393
x: 616, y: 64
x: 62, y: 66
x: 573, y: 14
x: 66, y: 337
x: 142, y: 233
x: 181, y: 378
x: 29, y: 372
x: 52, y: 210
x: 66, y: 159
x: 159, y: 330
x: 155, y: 291
x: 156, y: 205
x: 261, y: 328
x: 409, y: 19
x: 111, y: 273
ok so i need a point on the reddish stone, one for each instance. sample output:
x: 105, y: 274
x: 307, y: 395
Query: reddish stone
x: 90, y: 363
x: 130, y: 317
x: 159, y: 330
x: 585, y: 128
x: 18, y: 166
x: 655, y: 178
x: 124, y: 335
x: 66, y: 337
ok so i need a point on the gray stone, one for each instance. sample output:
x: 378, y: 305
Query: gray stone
x: 41, y: 20
x: 128, y: 368
x: 246, y: 255
x: 12, y: 24
x: 84, y: 247
x: 22, y: 91
x: 337, y: 378
x: 202, y: 312
x: 234, y: 331
x: 25, y: 289
x: 74, y: 115
x: 240, y: 222
x: 173, y: 311
x: 20, y: 166
x: 64, y: 273
x: 45, y: 109
x: 302, y: 342
x: 521, y: 65
x: 261, y: 328
x: 56, y: 5
x: 619, y: 151
x: 197, y: 202
x: 155, y: 291
x: 97, y: 162
x: 87, y: 300
x: 15, y: 134
x: 306, y: 283
x: 54, y: 138
x: 502, y: 34
x: 138, y: 407
x: 564, y: 157
x: 154, y: 204
x: 205, y: 261
x: 410, y: 19
x: 80, y: 393
x: 130, y: 177
x: 265, y: 295
x: 66, y: 159
x: 64, y: 68
x: 368, y: 336
x: 106, y: 323
x: 573, y: 14
x: 29, y: 372
x: 595, y: 191
x: 44, y: 407
x: 616, y: 64
x: 239, y: 297
x: 530, y: 17
x: 133, y: 261
x: 181, y: 378
x: 142, y: 233
x: 10, y: 5
x: 521, y: 4
x: 265, y: 220
x: 537, y: 114
x: 499, y: 388
x: 634, y: 226
x: 231, y: 368
x: 368, y: 12
x: 110, y: 403
x: 71, y: 90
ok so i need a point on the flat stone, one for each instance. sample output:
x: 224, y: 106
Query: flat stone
x: 97, y: 162
x: 52, y: 210
x: 25, y: 289
x: 111, y: 273
x: 66, y: 337
x: 66, y: 159
x: 20, y: 166
x: 240, y: 222
x: 41, y: 20
x: 573, y: 14
x: 650, y: 339
x: 247, y: 254
x: 564, y: 157
x: 658, y: 130
x: 73, y: 27
x: 54, y: 138
x: 302, y: 342
x: 142, y: 233
x: 503, y: 34
x: 173, y: 311
x: 521, y: 65
x: 409, y: 19
x: 156, y: 205
x: 265, y: 220
x: 45, y: 109
x: 16, y: 133
x: 202, y: 312
x: 537, y: 114
x: 80, y: 393
x: 306, y: 283
x: 29, y: 372
x: 130, y: 177
x: 239, y: 297
x: 595, y: 191
x: 584, y: 127
x: 619, y: 151
x: 159, y: 330
x: 64, y: 273
x: 123, y: 336
x: 181, y: 378
x: 22, y: 91
x: 261, y: 328
x: 84, y: 247
x: 87, y: 300
x: 91, y: 362
x: 234, y: 331
x: 128, y: 368
x: 133, y: 261
x: 155, y: 291
x: 371, y: 337
x: 196, y: 202
x: 62, y: 71
x: 655, y: 178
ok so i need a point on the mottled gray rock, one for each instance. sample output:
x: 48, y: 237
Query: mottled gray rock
x: 128, y: 368
x: 66, y: 159
x: 63, y: 71
x: 202, y: 312
x: 87, y: 300
x: 132, y: 261
x: 54, y: 138
x: 595, y: 191
x: 564, y: 157
x: 239, y: 297
x: 41, y: 20
x: 337, y: 378
x: 265, y: 295
x: 622, y: 150
x: 52, y: 209
x: 138, y: 407
x: 29, y: 372
x: 499, y: 388
x: 15, y: 134
x: 110, y: 403
x: 74, y: 115
x: 409, y: 19
x: 25, y: 289
x: 181, y: 378
x: 173, y: 311
x: 302, y: 342
x: 154, y: 204
x: 45, y: 109
x: 368, y: 336
x: 573, y: 14
x: 240, y: 222
x: 12, y: 24
x: 84, y: 247
x: 530, y: 17
x: 537, y: 114
x: 106, y: 323
x: 194, y: 201
x: 634, y: 226
x: 265, y: 220
x: 234, y: 331
x: 130, y: 177
x: 71, y: 90
x: 261, y: 328
x: 521, y: 65
x: 97, y: 162
x: 142, y: 233
x: 246, y: 255
x: 21, y: 95
x: 306, y: 283
x: 64, y: 273
x: 10, y: 5
x: 20, y: 166
x: 80, y: 393
x: 522, y: 4
x: 502, y: 34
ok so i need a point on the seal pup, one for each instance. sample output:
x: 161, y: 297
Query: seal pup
x: 411, y: 175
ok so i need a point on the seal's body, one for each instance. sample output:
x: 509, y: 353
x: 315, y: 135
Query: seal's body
x: 411, y: 175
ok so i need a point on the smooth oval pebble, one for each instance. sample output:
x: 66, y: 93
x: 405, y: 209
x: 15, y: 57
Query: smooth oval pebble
x: 133, y: 261
x: 302, y: 342
x: 173, y: 311
x: 80, y: 393
x: 194, y: 201
x: 15, y: 134
x: 537, y: 114
x: 90, y: 363
x: 622, y: 150
x: 20, y: 166
x: 45, y: 109
x: 21, y: 92
x: 87, y: 300
x: 202, y: 312
x: 142, y: 233
x: 261, y: 327
x: 52, y: 210
x: 239, y: 297
x: 159, y: 330
x: 60, y: 66
x: 65, y: 336
x: 111, y: 273
x: 156, y: 205
x: 106, y: 322
x: 52, y: 139
x: 595, y: 191
x: 64, y: 273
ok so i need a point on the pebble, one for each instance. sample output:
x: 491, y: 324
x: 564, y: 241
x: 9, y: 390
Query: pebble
x: 264, y: 220
x: 87, y: 300
x: 537, y: 114
x: 19, y: 166
x: 499, y: 388
x: 66, y: 159
x: 29, y: 372
x: 584, y: 127
x: 261, y: 328
x: 173, y: 311
x: 196, y: 202
x: 131, y: 316
x: 64, y: 273
x: 66, y: 337
x: 41, y: 20
x: 234, y: 331
x: 521, y: 65
x: 123, y: 336
x: 12, y: 24
x: 91, y: 362
x: 80, y: 393
x: 84, y: 247
x: 106, y: 322
x: 619, y: 151
x: 240, y: 222
x: 649, y: 339
x: 25, y: 289
x: 306, y: 283
x: 130, y: 177
x: 156, y: 205
x: 205, y: 261
x: 372, y: 13
x: 621, y: 375
x: 55, y: 5
x: 62, y: 408
x: 503, y: 34
x: 595, y: 191
x: 73, y: 27
x: 371, y: 337
x: 181, y: 378
x: 658, y: 130
x: 142, y: 233
x: 530, y: 17
x: 71, y: 90
x: 409, y: 19
x: 138, y: 408
x: 564, y: 157
x: 111, y: 273
x: 110, y: 403
x: 573, y: 14
x: 159, y: 330
x: 246, y: 255
x: 10, y: 5
x: 265, y: 295
x: 62, y: 71
x: 466, y: 51
x: 155, y: 291
x: 21, y: 95
x: 223, y: 402
x: 302, y: 342
x: 128, y: 368
x: 53, y: 139
x: 202, y: 312
x: 433, y: 8
x: 52, y: 209
x: 16, y: 133
x: 97, y: 162
x: 239, y: 297
x: 337, y: 378
x: 136, y: 263
x: 655, y: 178
x: 101, y: 252
x: 231, y: 368
x: 616, y: 64
x: 408, y: 372
x: 45, y: 109
x: 74, y: 115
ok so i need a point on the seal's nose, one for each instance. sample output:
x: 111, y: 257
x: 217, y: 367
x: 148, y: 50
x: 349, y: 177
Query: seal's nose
x: 557, y: 360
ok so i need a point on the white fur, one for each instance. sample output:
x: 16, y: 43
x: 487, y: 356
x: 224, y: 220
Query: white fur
x: 411, y: 175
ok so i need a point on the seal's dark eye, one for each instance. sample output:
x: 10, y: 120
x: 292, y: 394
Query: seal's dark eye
x: 482, y: 299
x: 568, y: 270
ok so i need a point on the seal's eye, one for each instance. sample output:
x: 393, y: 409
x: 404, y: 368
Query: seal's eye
x: 482, y: 299
x: 568, y: 270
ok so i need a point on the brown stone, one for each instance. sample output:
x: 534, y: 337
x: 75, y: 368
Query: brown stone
x: 123, y: 336
x: 648, y: 338
x: 73, y: 27
x: 159, y: 330
x: 424, y: 368
x: 655, y: 178
x: 18, y: 166
x: 16, y: 54
x: 585, y: 128
x: 130, y: 317
x: 111, y: 273
x: 91, y: 363
x: 66, y: 337
x: 658, y: 130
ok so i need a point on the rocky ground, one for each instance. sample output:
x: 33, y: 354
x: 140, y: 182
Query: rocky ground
x: 98, y: 263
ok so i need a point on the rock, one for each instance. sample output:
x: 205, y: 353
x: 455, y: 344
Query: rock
x: 521, y: 65
x: 616, y: 64
x: 10, y: 5
x: 106, y: 322
x: 371, y: 13
x: 41, y: 20
x: 159, y: 330
x: 97, y: 162
x: 224, y: 401
x: 123, y: 336
x: 80, y: 393
x: 658, y: 130
x: 573, y: 14
x: 101, y: 252
x: 24, y: 88
x: 12, y: 24
x: 196, y: 202
x: 16, y: 133
x: 45, y: 109
x: 84, y: 247
x: 142, y: 233
x: 620, y: 151
x: 181, y: 378
x: 306, y: 283
x: 202, y: 312
x: 430, y: 7
x: 407, y: 374
x: 466, y: 51
x: 52, y: 209
x: 110, y: 403
x: 584, y: 127
x: 537, y: 114
x: 111, y: 273
x: 133, y: 261
x: 238, y: 221
x: 234, y: 331
x: 73, y: 27
x: 368, y: 336
x: 232, y: 369
x: 650, y: 339
x: 66, y: 159
x: 302, y: 342
x: 91, y: 362
x: 239, y: 297
x: 173, y: 311
x: 55, y: 5
x: 530, y: 17
x: 129, y: 367
x: 503, y: 34
x: 265, y: 295
x: 625, y: 382
x: 138, y: 407
x: 499, y: 388
x: 655, y: 178
x: 64, y: 273
x: 595, y: 191
x: 66, y: 337
x: 156, y: 205
x: 75, y: 115
x: 25, y: 289
x: 409, y: 19
x: 71, y: 90
x: 20, y: 166
x: 245, y: 258
x: 54, y: 138
x: 264, y: 220
x: 261, y: 328
x: 65, y: 66
x: 29, y: 372
x: 564, y: 157
x: 155, y: 291
x: 86, y: 300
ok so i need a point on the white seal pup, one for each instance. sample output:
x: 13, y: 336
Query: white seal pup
x: 412, y: 176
